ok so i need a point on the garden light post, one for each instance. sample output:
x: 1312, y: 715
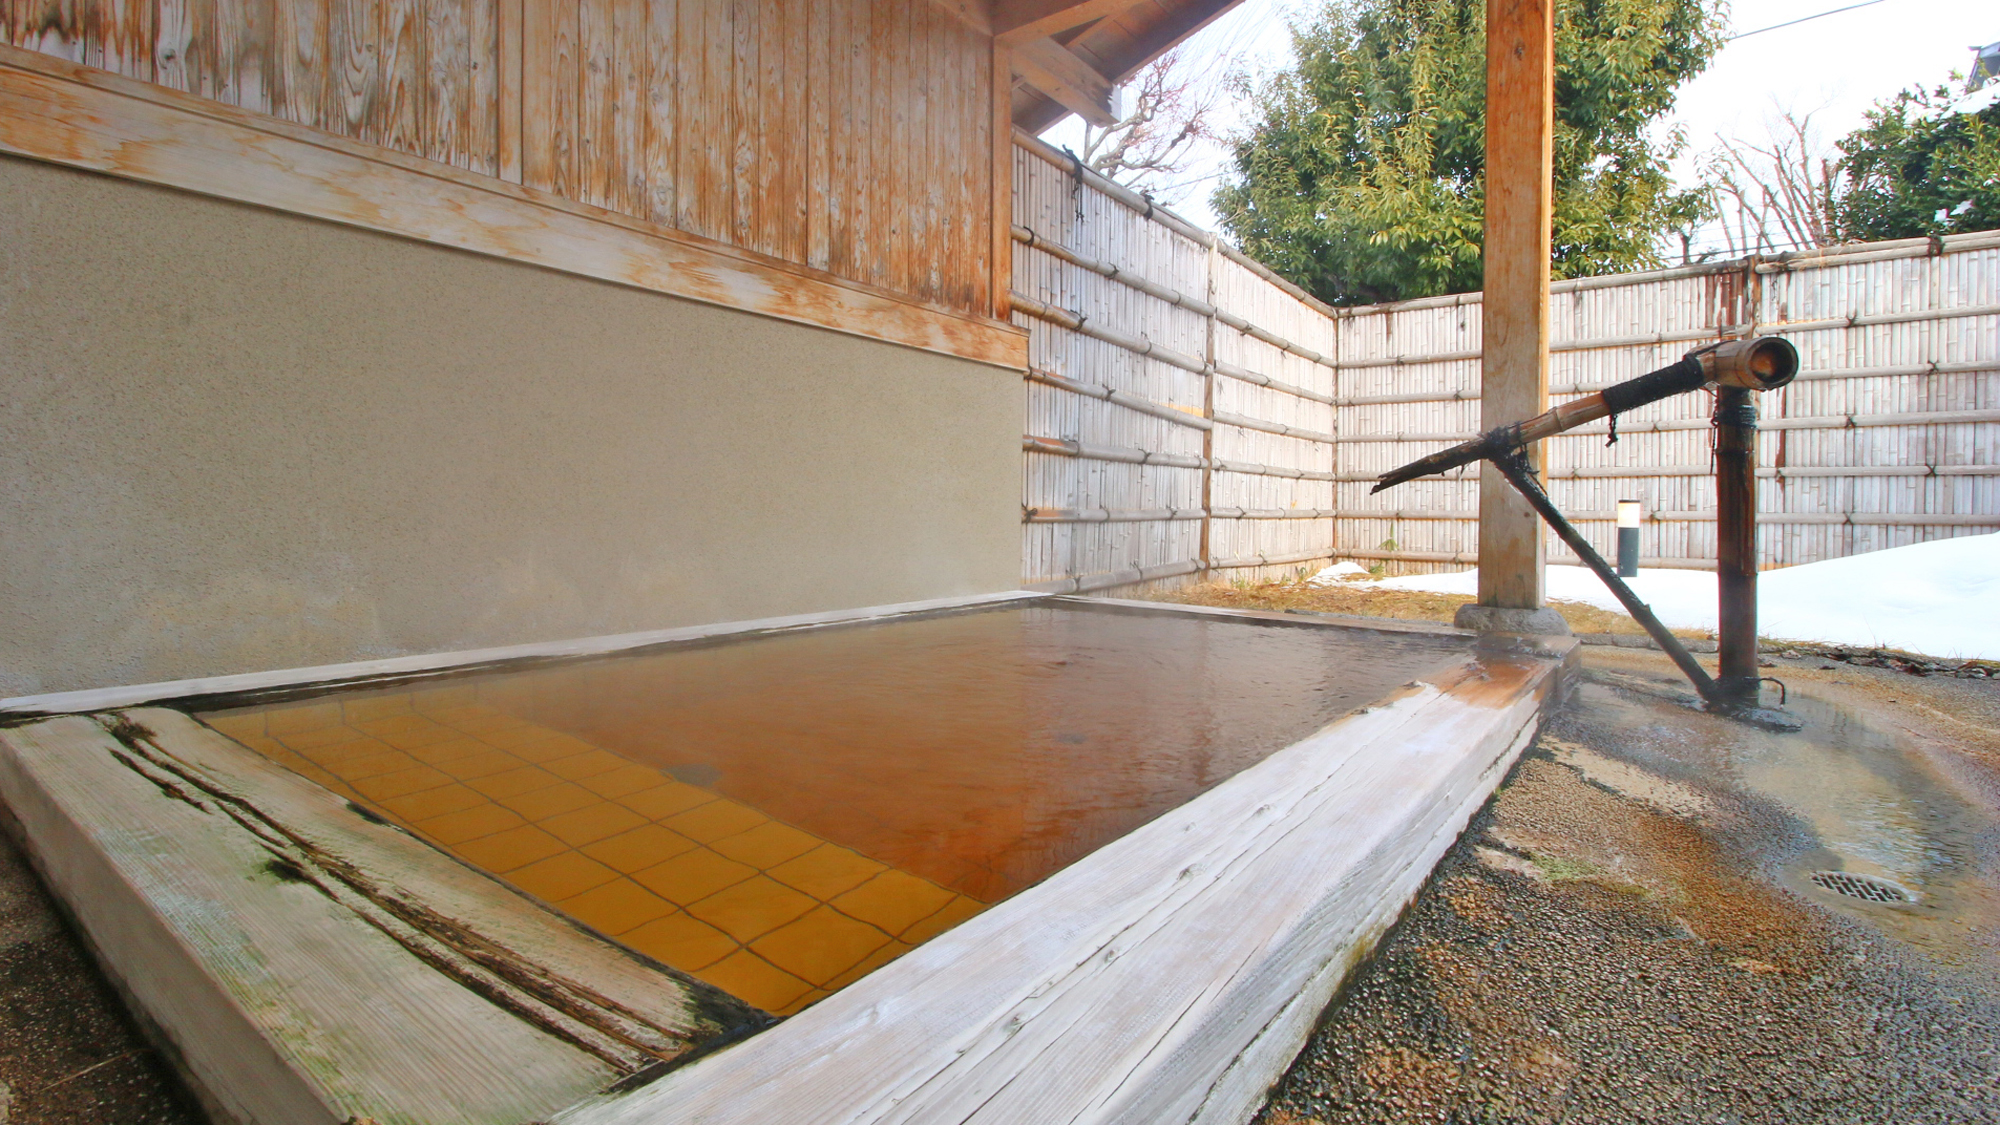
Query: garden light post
x: 1628, y: 539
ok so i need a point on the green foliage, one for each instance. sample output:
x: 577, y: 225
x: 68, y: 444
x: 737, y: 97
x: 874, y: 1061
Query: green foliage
x: 1918, y: 169
x: 1364, y: 179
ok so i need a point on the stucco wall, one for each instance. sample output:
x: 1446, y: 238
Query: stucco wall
x: 234, y: 440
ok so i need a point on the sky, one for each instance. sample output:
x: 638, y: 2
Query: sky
x: 1833, y: 68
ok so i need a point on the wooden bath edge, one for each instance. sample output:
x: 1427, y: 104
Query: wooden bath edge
x: 299, y: 962
x: 1170, y: 976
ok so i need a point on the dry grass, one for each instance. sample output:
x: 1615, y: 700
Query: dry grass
x: 1365, y: 599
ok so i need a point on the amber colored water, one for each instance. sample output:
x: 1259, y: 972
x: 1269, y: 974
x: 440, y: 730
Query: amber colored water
x: 780, y: 815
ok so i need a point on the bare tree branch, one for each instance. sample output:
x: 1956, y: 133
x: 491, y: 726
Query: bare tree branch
x: 1776, y: 196
x: 1171, y: 109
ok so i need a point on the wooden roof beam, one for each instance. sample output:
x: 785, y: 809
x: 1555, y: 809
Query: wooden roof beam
x: 1156, y: 36
x: 1056, y: 70
x: 1021, y: 20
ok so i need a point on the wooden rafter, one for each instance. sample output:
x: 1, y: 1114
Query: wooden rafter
x: 1028, y: 19
x: 1055, y: 70
x: 1118, y: 46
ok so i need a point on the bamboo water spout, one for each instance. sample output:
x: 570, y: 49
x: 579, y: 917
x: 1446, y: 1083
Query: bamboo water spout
x: 1761, y: 363
x: 1736, y: 368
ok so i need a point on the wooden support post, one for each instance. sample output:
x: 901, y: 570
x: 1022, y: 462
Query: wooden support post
x: 1520, y: 81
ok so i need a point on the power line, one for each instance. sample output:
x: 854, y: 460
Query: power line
x: 1801, y: 19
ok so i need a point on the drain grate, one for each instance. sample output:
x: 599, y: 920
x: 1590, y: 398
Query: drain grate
x: 1865, y: 887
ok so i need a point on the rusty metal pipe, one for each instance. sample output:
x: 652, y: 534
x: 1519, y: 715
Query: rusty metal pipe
x: 1760, y: 363
x: 1736, y: 544
x: 1514, y: 466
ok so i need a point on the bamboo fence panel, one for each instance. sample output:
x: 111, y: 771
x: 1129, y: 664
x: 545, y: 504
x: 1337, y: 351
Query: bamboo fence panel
x: 1177, y: 423
x: 1891, y: 435
x: 1191, y: 414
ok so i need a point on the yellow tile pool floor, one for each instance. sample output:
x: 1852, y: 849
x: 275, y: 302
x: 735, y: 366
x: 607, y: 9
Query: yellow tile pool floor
x: 772, y: 914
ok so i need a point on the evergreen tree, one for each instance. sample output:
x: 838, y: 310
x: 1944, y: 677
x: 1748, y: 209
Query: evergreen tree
x: 1918, y: 168
x: 1364, y: 179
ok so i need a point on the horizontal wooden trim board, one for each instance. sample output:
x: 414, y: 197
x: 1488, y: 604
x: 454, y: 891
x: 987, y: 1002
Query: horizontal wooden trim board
x: 87, y: 118
x: 1169, y: 976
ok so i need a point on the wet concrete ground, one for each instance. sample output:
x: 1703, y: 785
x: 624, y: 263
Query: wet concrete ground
x: 1630, y: 932
x: 68, y: 1052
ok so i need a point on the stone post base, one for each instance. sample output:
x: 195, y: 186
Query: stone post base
x: 1497, y: 619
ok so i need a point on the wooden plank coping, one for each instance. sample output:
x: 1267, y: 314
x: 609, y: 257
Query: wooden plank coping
x: 1171, y: 975
x: 83, y: 117
x: 301, y: 963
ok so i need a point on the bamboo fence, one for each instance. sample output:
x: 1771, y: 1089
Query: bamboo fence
x: 1191, y: 413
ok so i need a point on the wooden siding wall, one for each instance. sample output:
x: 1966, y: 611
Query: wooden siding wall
x: 850, y: 136
x: 1164, y: 443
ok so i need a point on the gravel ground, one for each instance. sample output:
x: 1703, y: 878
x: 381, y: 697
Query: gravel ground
x: 68, y: 1053
x: 1629, y: 931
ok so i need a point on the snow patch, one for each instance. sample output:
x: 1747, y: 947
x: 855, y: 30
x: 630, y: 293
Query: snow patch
x: 1940, y: 598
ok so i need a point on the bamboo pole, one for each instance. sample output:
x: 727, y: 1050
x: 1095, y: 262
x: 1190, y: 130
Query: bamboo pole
x: 1674, y: 425
x: 1242, y: 421
x: 1129, y: 401
x: 1167, y: 293
x: 1934, y: 368
x: 1131, y: 455
x: 1208, y: 411
x: 1167, y: 515
x: 1133, y: 201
